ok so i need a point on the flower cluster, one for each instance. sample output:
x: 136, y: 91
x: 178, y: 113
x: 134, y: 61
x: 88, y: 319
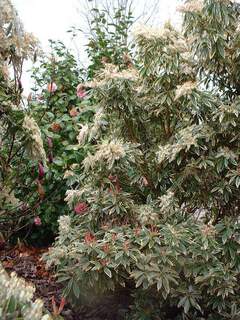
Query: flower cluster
x: 37, y: 221
x: 226, y: 110
x: 149, y: 33
x: 172, y: 45
x: 185, y: 139
x: 37, y: 149
x: 87, y: 133
x: 179, y: 44
x: 168, y: 203
x: 51, y: 87
x: 75, y: 195
x: 12, y: 34
x: 147, y: 215
x: 83, y: 134
x: 191, y: 6
x: 64, y: 224
x: 108, y: 151
x: 81, y: 93
x: 68, y: 173
x: 226, y: 153
x: 72, y: 195
x: 185, y: 89
x: 111, y: 71
x: 81, y: 208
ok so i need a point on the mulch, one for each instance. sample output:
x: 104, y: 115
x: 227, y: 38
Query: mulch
x: 26, y: 262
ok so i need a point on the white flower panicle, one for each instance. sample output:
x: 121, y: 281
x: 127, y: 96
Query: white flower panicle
x: 98, y: 123
x: 192, y: 6
x: 187, y: 65
x: 74, y: 166
x: 83, y: 134
x: 225, y: 110
x: 72, y: 195
x: 55, y: 254
x: 147, y: 32
x: 165, y: 151
x: 185, y: 89
x: 226, y: 153
x: 187, y: 56
x: 187, y: 69
x: 186, y: 138
x: 91, y: 84
x: 88, y: 133
x: 64, y: 224
x: 89, y: 161
x: 168, y: 39
x: 108, y: 151
x: 111, y: 71
x: 37, y: 150
x: 168, y: 203
x: 180, y: 45
x: 68, y: 173
x: 7, y: 12
x: 147, y: 215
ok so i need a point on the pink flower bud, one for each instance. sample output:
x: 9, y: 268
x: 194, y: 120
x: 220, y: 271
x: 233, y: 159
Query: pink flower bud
x: 80, y: 208
x: 50, y: 142
x: 50, y: 157
x: 37, y: 221
x: 89, y: 238
x: 81, y: 93
x: 145, y: 181
x: 52, y: 87
x: 40, y: 170
x: 24, y: 206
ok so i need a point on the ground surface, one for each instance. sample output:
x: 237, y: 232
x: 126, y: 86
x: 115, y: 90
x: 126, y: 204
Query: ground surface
x: 26, y: 262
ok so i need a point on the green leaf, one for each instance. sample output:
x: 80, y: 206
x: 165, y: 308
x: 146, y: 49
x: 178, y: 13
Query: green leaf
x: 108, y: 272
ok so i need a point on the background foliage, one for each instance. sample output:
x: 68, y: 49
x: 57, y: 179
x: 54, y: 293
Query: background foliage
x: 59, y: 105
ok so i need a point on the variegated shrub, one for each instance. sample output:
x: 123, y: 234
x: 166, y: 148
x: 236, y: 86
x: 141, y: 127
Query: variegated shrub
x: 157, y: 203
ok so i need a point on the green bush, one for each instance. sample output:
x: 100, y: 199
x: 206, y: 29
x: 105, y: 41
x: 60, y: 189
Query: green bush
x: 157, y: 203
x: 62, y: 106
x: 40, y: 133
x: 60, y: 113
x: 109, y: 36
